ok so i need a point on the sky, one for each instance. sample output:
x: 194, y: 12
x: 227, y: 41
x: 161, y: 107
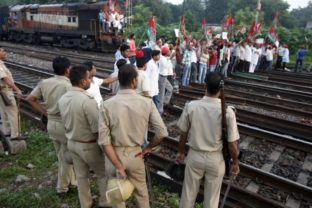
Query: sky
x: 293, y: 3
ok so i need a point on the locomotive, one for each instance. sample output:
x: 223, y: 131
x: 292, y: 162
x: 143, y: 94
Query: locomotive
x: 87, y: 26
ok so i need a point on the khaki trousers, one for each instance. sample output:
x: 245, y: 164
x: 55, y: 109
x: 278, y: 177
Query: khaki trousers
x: 88, y: 156
x: 66, y: 175
x: 201, y: 164
x: 9, y: 116
x: 135, y: 170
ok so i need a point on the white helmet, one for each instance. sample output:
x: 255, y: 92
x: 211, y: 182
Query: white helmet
x: 118, y: 190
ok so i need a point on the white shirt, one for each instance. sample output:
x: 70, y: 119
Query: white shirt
x: 286, y: 55
x: 152, y: 71
x: 255, y: 55
x: 280, y: 51
x: 143, y: 82
x: 241, y: 53
x: 248, y: 53
x: 193, y: 56
x: 115, y: 65
x: 165, y: 66
x: 94, y: 90
x: 236, y: 50
x: 269, y: 55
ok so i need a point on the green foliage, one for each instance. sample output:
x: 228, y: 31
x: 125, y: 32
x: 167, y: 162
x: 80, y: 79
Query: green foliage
x: 244, y: 17
x: 302, y: 15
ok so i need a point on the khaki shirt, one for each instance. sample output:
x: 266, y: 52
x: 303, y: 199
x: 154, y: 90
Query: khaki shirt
x: 52, y: 90
x: 125, y: 118
x: 5, y: 72
x: 80, y: 115
x: 202, y: 120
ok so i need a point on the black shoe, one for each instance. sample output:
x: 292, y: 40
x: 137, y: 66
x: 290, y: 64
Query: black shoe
x: 61, y: 194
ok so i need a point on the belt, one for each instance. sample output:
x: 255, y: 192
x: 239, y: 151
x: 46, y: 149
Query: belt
x: 85, y: 142
x: 126, y: 148
x: 5, y: 87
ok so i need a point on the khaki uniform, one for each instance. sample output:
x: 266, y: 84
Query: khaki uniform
x: 79, y: 113
x: 51, y: 90
x: 202, y: 120
x: 9, y: 114
x: 123, y: 121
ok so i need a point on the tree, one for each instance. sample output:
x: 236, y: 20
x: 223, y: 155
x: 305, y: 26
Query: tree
x: 302, y: 15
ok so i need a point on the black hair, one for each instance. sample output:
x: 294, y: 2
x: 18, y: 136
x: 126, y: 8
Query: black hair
x: 89, y: 64
x: 131, y: 35
x: 155, y: 53
x: 126, y: 75
x: 77, y: 73
x: 140, y: 62
x: 213, y: 80
x: 143, y: 44
x: 120, y: 63
x: 124, y: 48
x: 60, y: 64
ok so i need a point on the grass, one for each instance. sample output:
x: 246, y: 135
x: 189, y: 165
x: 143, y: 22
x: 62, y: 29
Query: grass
x: 40, y: 191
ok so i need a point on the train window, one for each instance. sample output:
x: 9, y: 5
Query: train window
x: 74, y: 19
x: 68, y: 19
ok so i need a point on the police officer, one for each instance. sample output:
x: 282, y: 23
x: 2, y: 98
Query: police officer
x: 123, y: 121
x: 79, y: 112
x: 8, y: 109
x: 200, y: 124
x: 51, y: 91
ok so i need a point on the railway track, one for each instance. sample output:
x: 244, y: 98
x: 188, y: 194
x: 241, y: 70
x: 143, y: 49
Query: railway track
x: 239, y: 196
x: 104, y: 64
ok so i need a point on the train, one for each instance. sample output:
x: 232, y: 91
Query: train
x: 89, y: 26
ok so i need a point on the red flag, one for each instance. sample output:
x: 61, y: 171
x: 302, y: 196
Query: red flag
x: 229, y: 21
x: 254, y: 28
x: 152, y: 25
x: 203, y: 22
x: 126, y: 3
x: 272, y: 30
x: 182, y: 24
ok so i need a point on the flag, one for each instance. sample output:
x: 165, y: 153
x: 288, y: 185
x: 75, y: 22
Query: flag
x: 259, y: 6
x: 229, y: 24
x: 254, y: 29
x: 240, y: 29
x: 182, y: 24
x: 126, y: 3
x: 151, y: 30
x: 272, y: 34
x: 203, y: 22
x: 111, y: 4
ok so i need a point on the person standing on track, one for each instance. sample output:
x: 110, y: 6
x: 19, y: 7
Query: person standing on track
x: 121, y: 138
x: 200, y: 125
x: 9, y: 109
x: 51, y: 90
x: 96, y: 82
x: 80, y: 114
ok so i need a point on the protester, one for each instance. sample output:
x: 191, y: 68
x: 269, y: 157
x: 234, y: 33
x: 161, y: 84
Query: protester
x: 300, y: 56
x: 152, y: 71
x: 285, y: 58
x: 96, y: 83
